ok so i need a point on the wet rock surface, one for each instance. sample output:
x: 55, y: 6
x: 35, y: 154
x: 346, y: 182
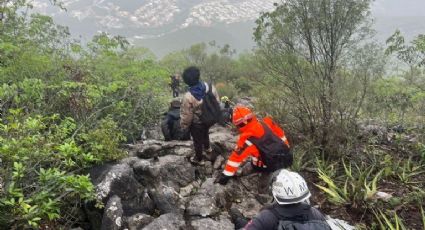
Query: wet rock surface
x: 157, y: 188
x: 223, y: 223
x: 138, y: 221
x: 169, y: 221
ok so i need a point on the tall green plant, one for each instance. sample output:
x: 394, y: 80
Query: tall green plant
x: 310, y: 49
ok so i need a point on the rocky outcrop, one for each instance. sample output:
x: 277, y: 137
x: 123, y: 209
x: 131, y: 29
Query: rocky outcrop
x: 169, y: 221
x: 113, y: 216
x: 157, y: 188
x: 223, y: 223
x: 138, y: 221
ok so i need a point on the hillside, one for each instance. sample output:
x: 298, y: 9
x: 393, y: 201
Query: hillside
x: 157, y: 24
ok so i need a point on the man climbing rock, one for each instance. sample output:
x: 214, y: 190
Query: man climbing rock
x: 291, y: 209
x: 170, y: 126
x: 264, y: 141
x: 199, y: 104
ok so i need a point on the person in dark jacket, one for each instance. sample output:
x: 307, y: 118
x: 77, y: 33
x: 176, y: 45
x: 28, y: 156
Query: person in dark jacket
x: 291, y: 209
x: 170, y: 126
x: 175, y: 84
x: 191, y: 111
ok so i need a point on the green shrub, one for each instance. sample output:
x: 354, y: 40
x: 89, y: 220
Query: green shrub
x: 103, y: 141
x: 227, y: 89
x: 41, y: 167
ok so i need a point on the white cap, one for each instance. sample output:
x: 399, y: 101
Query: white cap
x: 289, y: 188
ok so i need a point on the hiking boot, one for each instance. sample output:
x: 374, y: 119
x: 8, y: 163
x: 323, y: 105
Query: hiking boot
x: 237, y: 218
x: 209, y: 154
x: 194, y: 160
x: 235, y: 214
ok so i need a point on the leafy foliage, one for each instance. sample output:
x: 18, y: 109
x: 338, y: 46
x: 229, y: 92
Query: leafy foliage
x: 41, y: 163
x: 319, y: 72
x: 65, y: 107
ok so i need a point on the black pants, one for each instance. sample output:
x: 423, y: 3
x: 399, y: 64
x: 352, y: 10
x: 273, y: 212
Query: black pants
x: 201, y: 138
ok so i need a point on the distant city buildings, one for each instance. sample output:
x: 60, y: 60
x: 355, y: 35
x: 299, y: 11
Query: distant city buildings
x: 157, y: 13
x: 224, y: 11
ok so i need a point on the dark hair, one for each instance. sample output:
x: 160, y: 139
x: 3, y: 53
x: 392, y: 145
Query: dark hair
x: 191, y: 75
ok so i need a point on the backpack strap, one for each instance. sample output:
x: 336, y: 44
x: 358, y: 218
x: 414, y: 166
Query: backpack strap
x: 209, y: 87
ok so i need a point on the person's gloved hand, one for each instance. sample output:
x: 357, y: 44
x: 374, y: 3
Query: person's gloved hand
x: 222, y: 179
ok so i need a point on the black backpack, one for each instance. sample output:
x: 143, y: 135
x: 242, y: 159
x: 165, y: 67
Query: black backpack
x: 273, y: 151
x: 210, y: 109
x: 299, y: 221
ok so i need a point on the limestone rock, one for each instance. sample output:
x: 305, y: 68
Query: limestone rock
x: 169, y: 221
x: 172, y: 170
x: 208, y: 223
x: 202, y: 205
x: 166, y: 199
x: 138, y: 221
x: 249, y: 207
x: 113, y: 216
x: 217, y: 191
x: 155, y: 148
x: 219, y: 162
x: 119, y: 180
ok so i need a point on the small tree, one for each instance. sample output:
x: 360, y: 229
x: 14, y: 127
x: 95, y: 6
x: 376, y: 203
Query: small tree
x: 311, y: 48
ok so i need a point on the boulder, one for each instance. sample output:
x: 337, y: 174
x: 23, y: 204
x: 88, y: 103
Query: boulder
x: 113, y: 215
x: 172, y: 170
x: 186, y: 191
x: 130, y: 161
x: 169, y: 221
x: 207, y: 223
x: 222, y: 140
x: 118, y: 180
x: 155, y: 148
x: 202, y: 205
x: 248, y: 206
x: 217, y: 191
x: 219, y: 162
x: 138, y: 221
x: 166, y: 199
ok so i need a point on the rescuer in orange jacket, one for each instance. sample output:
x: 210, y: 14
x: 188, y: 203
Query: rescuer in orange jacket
x: 264, y: 141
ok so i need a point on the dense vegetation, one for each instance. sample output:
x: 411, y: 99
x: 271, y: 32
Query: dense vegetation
x: 64, y: 108
x: 356, y: 122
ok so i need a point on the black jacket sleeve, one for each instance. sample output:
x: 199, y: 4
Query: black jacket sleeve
x: 265, y: 220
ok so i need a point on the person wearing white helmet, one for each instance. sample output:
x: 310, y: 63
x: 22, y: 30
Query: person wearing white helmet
x: 291, y: 209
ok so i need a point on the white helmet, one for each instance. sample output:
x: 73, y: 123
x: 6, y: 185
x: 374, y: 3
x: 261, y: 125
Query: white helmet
x: 289, y: 188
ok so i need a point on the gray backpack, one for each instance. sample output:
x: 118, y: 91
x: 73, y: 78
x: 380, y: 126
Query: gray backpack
x: 303, y: 225
x: 299, y: 221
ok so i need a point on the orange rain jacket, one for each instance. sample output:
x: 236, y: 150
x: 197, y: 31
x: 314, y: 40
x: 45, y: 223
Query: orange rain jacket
x: 244, y: 148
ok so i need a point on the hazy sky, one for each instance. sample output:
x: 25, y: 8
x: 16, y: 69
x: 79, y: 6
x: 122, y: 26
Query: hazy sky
x: 398, y: 8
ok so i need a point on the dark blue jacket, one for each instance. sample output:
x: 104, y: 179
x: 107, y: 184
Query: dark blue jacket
x: 268, y: 218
